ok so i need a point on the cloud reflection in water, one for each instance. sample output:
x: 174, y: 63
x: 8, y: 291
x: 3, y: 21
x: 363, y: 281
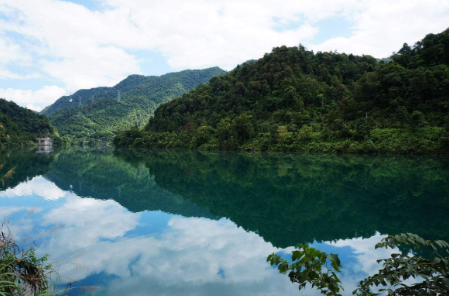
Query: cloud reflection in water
x: 179, y: 256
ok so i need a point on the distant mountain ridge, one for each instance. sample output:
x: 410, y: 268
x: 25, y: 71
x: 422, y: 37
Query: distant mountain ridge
x: 98, y: 113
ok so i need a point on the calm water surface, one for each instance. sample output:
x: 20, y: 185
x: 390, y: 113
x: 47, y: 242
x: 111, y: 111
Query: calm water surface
x: 193, y: 223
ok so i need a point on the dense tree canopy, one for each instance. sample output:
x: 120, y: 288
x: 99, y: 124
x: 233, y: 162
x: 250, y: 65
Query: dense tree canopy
x: 297, y: 100
x: 19, y: 125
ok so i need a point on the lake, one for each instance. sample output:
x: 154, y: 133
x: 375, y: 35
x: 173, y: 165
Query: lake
x: 129, y: 222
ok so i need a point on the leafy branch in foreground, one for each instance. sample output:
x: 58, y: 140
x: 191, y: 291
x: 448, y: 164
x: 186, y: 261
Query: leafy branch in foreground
x: 307, y: 267
x: 398, y: 268
x: 432, y: 274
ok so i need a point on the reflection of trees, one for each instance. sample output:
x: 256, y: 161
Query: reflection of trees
x: 98, y: 174
x: 17, y: 166
x: 289, y: 199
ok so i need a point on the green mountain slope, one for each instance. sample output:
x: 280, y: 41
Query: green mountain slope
x: 99, y: 113
x: 19, y: 125
x: 297, y: 100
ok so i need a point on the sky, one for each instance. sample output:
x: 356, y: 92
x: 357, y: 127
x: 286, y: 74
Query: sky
x: 51, y: 48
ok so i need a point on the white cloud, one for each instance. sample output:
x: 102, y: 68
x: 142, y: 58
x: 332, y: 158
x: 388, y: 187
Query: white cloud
x: 191, y: 254
x: 92, y: 66
x: 34, y: 100
x: 74, y: 44
x: 7, y: 74
x: 36, y: 186
x: 11, y: 52
x: 87, y: 48
x: 366, y: 254
x: 6, y: 211
x: 87, y: 220
x: 382, y: 26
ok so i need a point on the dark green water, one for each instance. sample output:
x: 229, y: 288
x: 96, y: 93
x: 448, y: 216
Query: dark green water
x: 200, y: 223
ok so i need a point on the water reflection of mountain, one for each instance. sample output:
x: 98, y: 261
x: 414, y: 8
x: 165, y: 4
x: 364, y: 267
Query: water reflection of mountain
x: 289, y: 199
x: 100, y: 175
x: 17, y: 166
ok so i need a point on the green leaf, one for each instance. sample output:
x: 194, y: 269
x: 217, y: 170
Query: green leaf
x: 296, y: 255
x: 446, y: 282
x: 436, y: 261
x: 334, y: 258
x: 283, y: 267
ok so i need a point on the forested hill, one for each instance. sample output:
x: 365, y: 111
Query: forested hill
x: 19, y: 125
x: 297, y: 100
x: 99, y: 113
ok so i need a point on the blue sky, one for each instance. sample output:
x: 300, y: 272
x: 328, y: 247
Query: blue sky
x: 50, y: 48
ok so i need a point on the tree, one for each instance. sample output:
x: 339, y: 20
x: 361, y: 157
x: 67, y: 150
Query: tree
x: 402, y: 116
x: 282, y: 133
x: 307, y: 265
x: 305, y: 133
x: 203, y: 135
x: 243, y: 128
x: 362, y: 128
x: 224, y: 130
x: 418, y: 119
x: 405, y: 49
x: 446, y: 124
